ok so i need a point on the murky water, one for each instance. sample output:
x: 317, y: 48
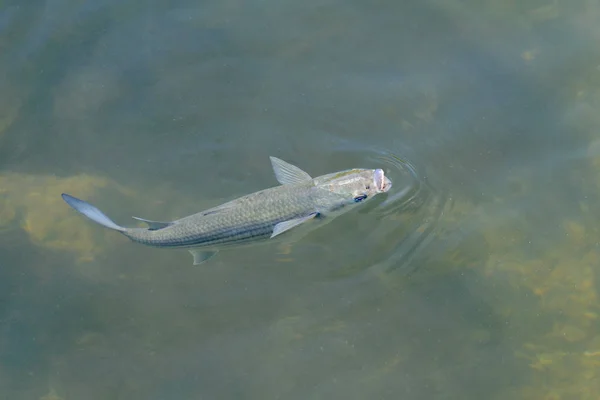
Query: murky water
x: 476, y: 277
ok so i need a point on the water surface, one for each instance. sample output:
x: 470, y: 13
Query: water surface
x: 475, y: 277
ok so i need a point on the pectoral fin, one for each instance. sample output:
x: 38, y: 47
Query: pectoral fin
x: 287, y: 173
x: 292, y: 223
x: 153, y: 225
x: 201, y: 256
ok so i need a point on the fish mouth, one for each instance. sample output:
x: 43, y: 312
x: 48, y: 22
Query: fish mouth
x: 387, y: 185
x: 382, y: 182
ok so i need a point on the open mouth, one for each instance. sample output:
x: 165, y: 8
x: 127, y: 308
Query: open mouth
x: 387, y: 185
x: 382, y: 183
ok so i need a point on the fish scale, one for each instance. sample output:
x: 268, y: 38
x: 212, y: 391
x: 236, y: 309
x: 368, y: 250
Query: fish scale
x: 254, y: 217
x: 251, y: 217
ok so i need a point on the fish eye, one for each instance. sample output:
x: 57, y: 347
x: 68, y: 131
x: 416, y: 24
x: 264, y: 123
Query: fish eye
x: 360, y: 198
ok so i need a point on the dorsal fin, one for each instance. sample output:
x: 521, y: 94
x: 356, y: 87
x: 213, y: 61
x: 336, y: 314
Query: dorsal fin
x: 154, y: 225
x: 287, y: 173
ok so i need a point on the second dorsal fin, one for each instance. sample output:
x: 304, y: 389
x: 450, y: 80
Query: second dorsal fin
x: 154, y: 225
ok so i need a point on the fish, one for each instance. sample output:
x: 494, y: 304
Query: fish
x: 263, y: 216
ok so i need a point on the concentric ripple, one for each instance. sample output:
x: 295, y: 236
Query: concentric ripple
x: 407, y: 217
x: 396, y: 227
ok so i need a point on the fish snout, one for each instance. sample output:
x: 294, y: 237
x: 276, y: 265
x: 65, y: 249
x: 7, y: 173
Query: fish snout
x: 387, y: 185
x: 382, y: 182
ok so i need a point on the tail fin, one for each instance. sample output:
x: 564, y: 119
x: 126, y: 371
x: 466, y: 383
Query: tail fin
x: 91, y: 212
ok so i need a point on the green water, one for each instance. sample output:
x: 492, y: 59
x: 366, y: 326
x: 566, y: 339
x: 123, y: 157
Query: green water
x: 476, y: 277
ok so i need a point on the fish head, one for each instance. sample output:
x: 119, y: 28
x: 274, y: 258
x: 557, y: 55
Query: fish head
x: 353, y: 186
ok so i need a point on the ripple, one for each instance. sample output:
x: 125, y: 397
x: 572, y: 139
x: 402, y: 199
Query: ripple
x: 406, y: 219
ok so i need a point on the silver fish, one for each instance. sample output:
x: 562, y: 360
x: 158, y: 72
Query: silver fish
x: 259, y: 216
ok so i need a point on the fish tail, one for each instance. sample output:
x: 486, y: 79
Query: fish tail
x: 91, y: 212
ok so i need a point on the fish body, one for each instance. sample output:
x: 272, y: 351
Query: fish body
x: 256, y: 217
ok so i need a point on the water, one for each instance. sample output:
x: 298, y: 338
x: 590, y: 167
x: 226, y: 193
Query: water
x: 476, y: 277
